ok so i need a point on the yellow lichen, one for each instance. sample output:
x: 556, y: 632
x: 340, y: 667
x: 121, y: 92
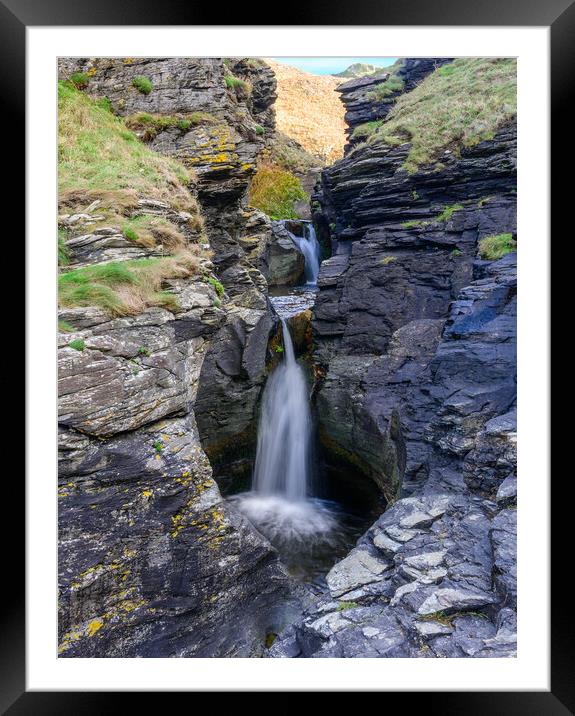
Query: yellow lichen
x: 94, y: 626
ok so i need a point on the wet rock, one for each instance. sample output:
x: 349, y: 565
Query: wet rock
x: 285, y: 264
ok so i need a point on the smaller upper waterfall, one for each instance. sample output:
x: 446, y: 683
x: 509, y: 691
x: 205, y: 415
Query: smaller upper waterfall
x: 309, y: 246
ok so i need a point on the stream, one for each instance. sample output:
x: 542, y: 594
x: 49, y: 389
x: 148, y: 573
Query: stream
x: 289, y: 501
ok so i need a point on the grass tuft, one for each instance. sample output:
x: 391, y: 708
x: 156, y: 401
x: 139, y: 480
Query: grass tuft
x: 129, y: 287
x: 385, y: 89
x: 142, y: 84
x: 494, y: 247
x: 275, y: 191
x: 79, y: 80
x: 77, y: 344
x: 235, y: 83
x: 342, y: 606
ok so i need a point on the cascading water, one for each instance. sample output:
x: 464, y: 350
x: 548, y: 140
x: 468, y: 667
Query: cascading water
x: 280, y: 504
x: 282, y: 460
x: 309, y: 246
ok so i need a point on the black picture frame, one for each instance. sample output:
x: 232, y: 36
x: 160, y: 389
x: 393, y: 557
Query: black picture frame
x: 15, y: 17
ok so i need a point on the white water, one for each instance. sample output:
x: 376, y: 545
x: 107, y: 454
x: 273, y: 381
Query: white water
x: 282, y: 459
x: 280, y: 503
x: 309, y: 246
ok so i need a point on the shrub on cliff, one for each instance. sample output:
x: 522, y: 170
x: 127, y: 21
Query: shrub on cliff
x: 142, y: 84
x: 98, y: 154
x: 450, y: 109
x: 494, y: 247
x: 275, y: 191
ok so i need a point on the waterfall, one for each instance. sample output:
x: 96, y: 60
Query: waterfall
x: 282, y: 459
x: 309, y: 246
x: 280, y: 503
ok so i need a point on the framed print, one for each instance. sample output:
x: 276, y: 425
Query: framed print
x: 299, y: 361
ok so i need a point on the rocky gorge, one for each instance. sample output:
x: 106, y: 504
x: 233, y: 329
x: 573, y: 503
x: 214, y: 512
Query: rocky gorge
x: 409, y: 343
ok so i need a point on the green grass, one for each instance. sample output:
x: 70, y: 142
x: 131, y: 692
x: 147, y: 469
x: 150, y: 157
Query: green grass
x: 152, y: 124
x: 235, y: 83
x: 342, y: 606
x: 447, y: 619
x: 217, y: 285
x: 128, y: 287
x: 63, y: 251
x: 275, y: 191
x: 384, y: 89
x: 494, y: 247
x: 448, y: 212
x: 387, y: 260
x: 450, y: 108
x: 259, y: 129
x: 98, y: 155
x: 150, y: 231
x: 143, y: 351
x: 78, y: 344
x: 158, y: 446
x: 455, y: 253
x: 368, y: 129
x: 65, y: 327
x: 279, y: 349
x: 142, y: 84
x: 413, y: 223
x: 79, y: 80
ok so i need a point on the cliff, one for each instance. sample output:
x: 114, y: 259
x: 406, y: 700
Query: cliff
x: 415, y: 334
x: 163, y: 333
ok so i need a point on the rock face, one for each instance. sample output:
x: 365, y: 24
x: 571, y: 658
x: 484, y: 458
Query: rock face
x: 152, y: 561
x: 416, y: 338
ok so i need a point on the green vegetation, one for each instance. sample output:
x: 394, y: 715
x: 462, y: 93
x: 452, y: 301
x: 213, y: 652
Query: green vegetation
x: 448, y: 212
x: 363, y: 131
x: 98, y: 156
x: 387, y: 260
x: 65, y: 327
x: 77, y: 344
x: 104, y: 103
x: 235, y: 83
x: 63, y: 251
x: 128, y: 287
x: 158, y: 446
x: 455, y: 253
x: 444, y: 215
x: 413, y: 223
x: 494, y: 247
x: 275, y: 191
x: 259, y: 129
x: 446, y: 70
x: 342, y: 606
x: 150, y: 231
x: 279, y: 349
x: 447, y: 619
x: 451, y: 108
x: 384, y: 89
x: 142, y: 84
x: 143, y: 351
x: 79, y: 80
x: 217, y: 285
x: 152, y: 124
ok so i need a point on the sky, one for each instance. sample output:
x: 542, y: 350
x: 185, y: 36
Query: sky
x: 331, y: 65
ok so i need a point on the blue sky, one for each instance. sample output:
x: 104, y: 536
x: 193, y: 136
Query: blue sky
x: 330, y: 65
